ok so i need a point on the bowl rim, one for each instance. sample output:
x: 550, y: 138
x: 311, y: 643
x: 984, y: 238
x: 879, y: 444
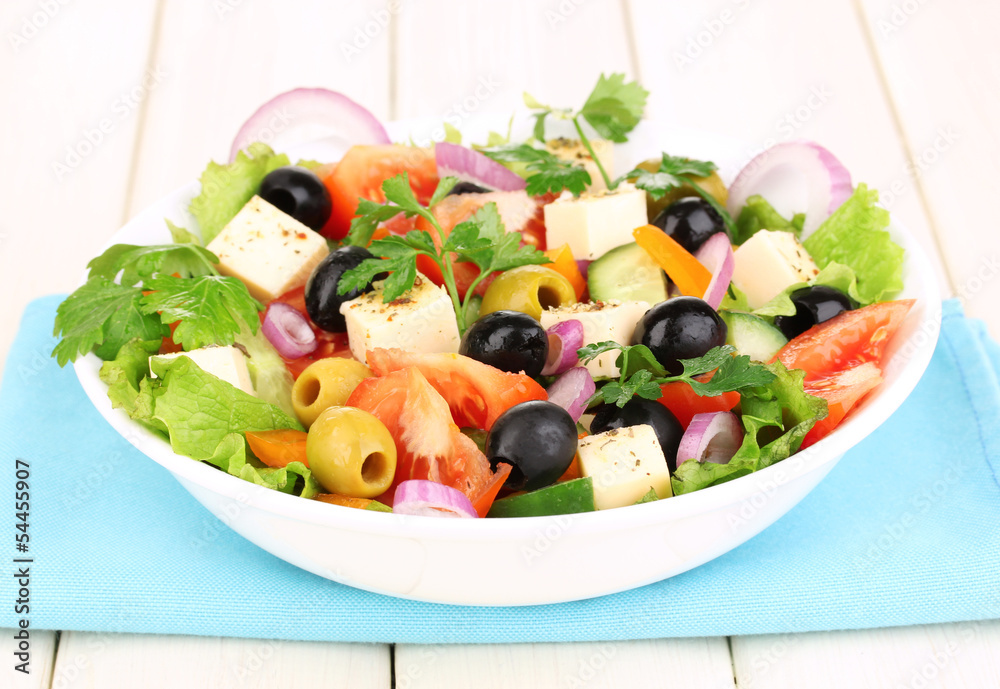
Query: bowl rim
x: 853, y: 430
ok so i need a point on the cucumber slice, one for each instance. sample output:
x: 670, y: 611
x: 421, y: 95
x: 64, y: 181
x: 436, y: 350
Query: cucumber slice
x: 561, y: 498
x: 627, y: 273
x: 752, y: 335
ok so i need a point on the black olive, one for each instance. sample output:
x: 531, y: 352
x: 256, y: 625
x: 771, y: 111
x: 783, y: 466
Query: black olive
x: 299, y: 193
x: 508, y: 340
x: 322, y: 301
x: 467, y: 188
x: 813, y: 305
x: 637, y: 412
x: 690, y: 222
x: 680, y: 328
x: 538, y: 440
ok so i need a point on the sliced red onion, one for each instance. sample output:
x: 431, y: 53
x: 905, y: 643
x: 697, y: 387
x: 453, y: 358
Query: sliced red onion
x: 794, y: 177
x: 572, y: 390
x: 712, y: 437
x: 431, y: 499
x: 584, y: 265
x: 288, y: 330
x: 565, y: 338
x: 311, y: 112
x: 716, y: 254
x: 472, y: 166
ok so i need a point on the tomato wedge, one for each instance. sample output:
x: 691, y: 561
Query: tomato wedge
x: 476, y: 392
x: 842, y: 358
x: 483, y: 500
x: 360, y: 174
x: 428, y: 443
x: 278, y: 448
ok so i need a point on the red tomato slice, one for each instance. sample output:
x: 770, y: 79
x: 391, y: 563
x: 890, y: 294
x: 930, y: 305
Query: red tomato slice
x: 483, y: 500
x: 520, y: 213
x: 684, y: 402
x: 360, y: 174
x: 278, y: 448
x: 476, y: 392
x: 841, y: 390
x: 428, y: 443
x: 842, y: 358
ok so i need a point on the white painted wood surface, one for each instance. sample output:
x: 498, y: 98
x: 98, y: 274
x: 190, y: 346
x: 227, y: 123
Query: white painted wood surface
x: 891, y: 87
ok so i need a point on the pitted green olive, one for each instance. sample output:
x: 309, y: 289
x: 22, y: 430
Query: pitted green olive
x: 351, y: 453
x: 713, y: 184
x: 326, y: 383
x: 528, y: 289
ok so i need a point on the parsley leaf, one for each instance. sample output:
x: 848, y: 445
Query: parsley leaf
x: 210, y: 308
x: 549, y: 172
x: 615, y: 107
x: 105, y: 315
x: 181, y: 235
x: 138, y: 262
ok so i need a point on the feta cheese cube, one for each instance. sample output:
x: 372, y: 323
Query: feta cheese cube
x: 267, y: 249
x: 596, y: 222
x: 769, y: 262
x: 422, y: 320
x: 624, y: 464
x: 602, y: 321
x: 574, y: 151
x: 228, y: 363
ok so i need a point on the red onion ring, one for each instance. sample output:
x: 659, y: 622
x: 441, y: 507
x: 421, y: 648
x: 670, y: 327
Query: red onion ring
x: 431, y: 499
x: 716, y: 254
x: 572, y: 390
x: 288, y: 331
x: 712, y: 437
x: 471, y: 166
x: 827, y: 182
x: 565, y: 338
x: 305, y: 108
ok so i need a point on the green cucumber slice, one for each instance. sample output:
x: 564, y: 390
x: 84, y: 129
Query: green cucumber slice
x: 752, y: 335
x: 569, y: 497
x: 627, y: 273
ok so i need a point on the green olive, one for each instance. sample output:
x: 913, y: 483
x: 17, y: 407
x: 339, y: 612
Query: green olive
x: 528, y: 289
x: 712, y: 184
x: 324, y: 384
x: 351, y: 453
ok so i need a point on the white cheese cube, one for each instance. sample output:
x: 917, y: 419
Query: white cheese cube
x: 624, y: 464
x: 602, y: 321
x: 574, y: 151
x: 267, y: 249
x: 422, y: 320
x: 227, y: 363
x: 596, y: 222
x: 769, y: 262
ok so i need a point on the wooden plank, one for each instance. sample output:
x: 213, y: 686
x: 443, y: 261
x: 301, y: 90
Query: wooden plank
x: 226, y: 58
x: 555, y: 51
x: 113, y: 661
x: 68, y: 130
x: 962, y: 655
x: 941, y: 67
x: 777, y: 71
x: 661, y: 663
x: 41, y: 657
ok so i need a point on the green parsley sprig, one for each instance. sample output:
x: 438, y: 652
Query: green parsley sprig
x: 481, y: 240
x: 675, y: 172
x: 549, y: 172
x: 112, y: 308
x: 613, y: 109
x: 641, y: 374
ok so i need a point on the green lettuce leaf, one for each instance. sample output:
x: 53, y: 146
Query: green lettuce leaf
x: 758, y: 214
x: 271, y: 379
x: 835, y: 275
x: 776, y: 417
x: 225, y: 189
x: 855, y: 236
x: 124, y: 374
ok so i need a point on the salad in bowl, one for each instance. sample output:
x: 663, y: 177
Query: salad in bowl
x: 520, y: 331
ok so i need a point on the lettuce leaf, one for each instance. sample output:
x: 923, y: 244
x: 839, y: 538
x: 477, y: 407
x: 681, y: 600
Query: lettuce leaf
x: 225, y: 189
x: 776, y: 418
x: 855, y: 236
x: 835, y: 275
x: 758, y: 214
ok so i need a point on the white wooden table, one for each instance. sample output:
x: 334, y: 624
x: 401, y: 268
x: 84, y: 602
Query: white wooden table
x: 906, y: 92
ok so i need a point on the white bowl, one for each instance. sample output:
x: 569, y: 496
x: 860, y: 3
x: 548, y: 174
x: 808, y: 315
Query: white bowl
x: 539, y: 559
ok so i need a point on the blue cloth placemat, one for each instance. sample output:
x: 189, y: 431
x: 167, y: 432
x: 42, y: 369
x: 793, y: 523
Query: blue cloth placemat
x: 905, y: 530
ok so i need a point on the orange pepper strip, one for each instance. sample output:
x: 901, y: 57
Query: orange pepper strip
x: 483, y: 500
x: 344, y: 500
x: 278, y: 448
x: 564, y: 264
x: 687, y: 272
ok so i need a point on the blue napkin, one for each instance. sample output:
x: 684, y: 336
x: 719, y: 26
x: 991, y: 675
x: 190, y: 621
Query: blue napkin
x: 905, y: 530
